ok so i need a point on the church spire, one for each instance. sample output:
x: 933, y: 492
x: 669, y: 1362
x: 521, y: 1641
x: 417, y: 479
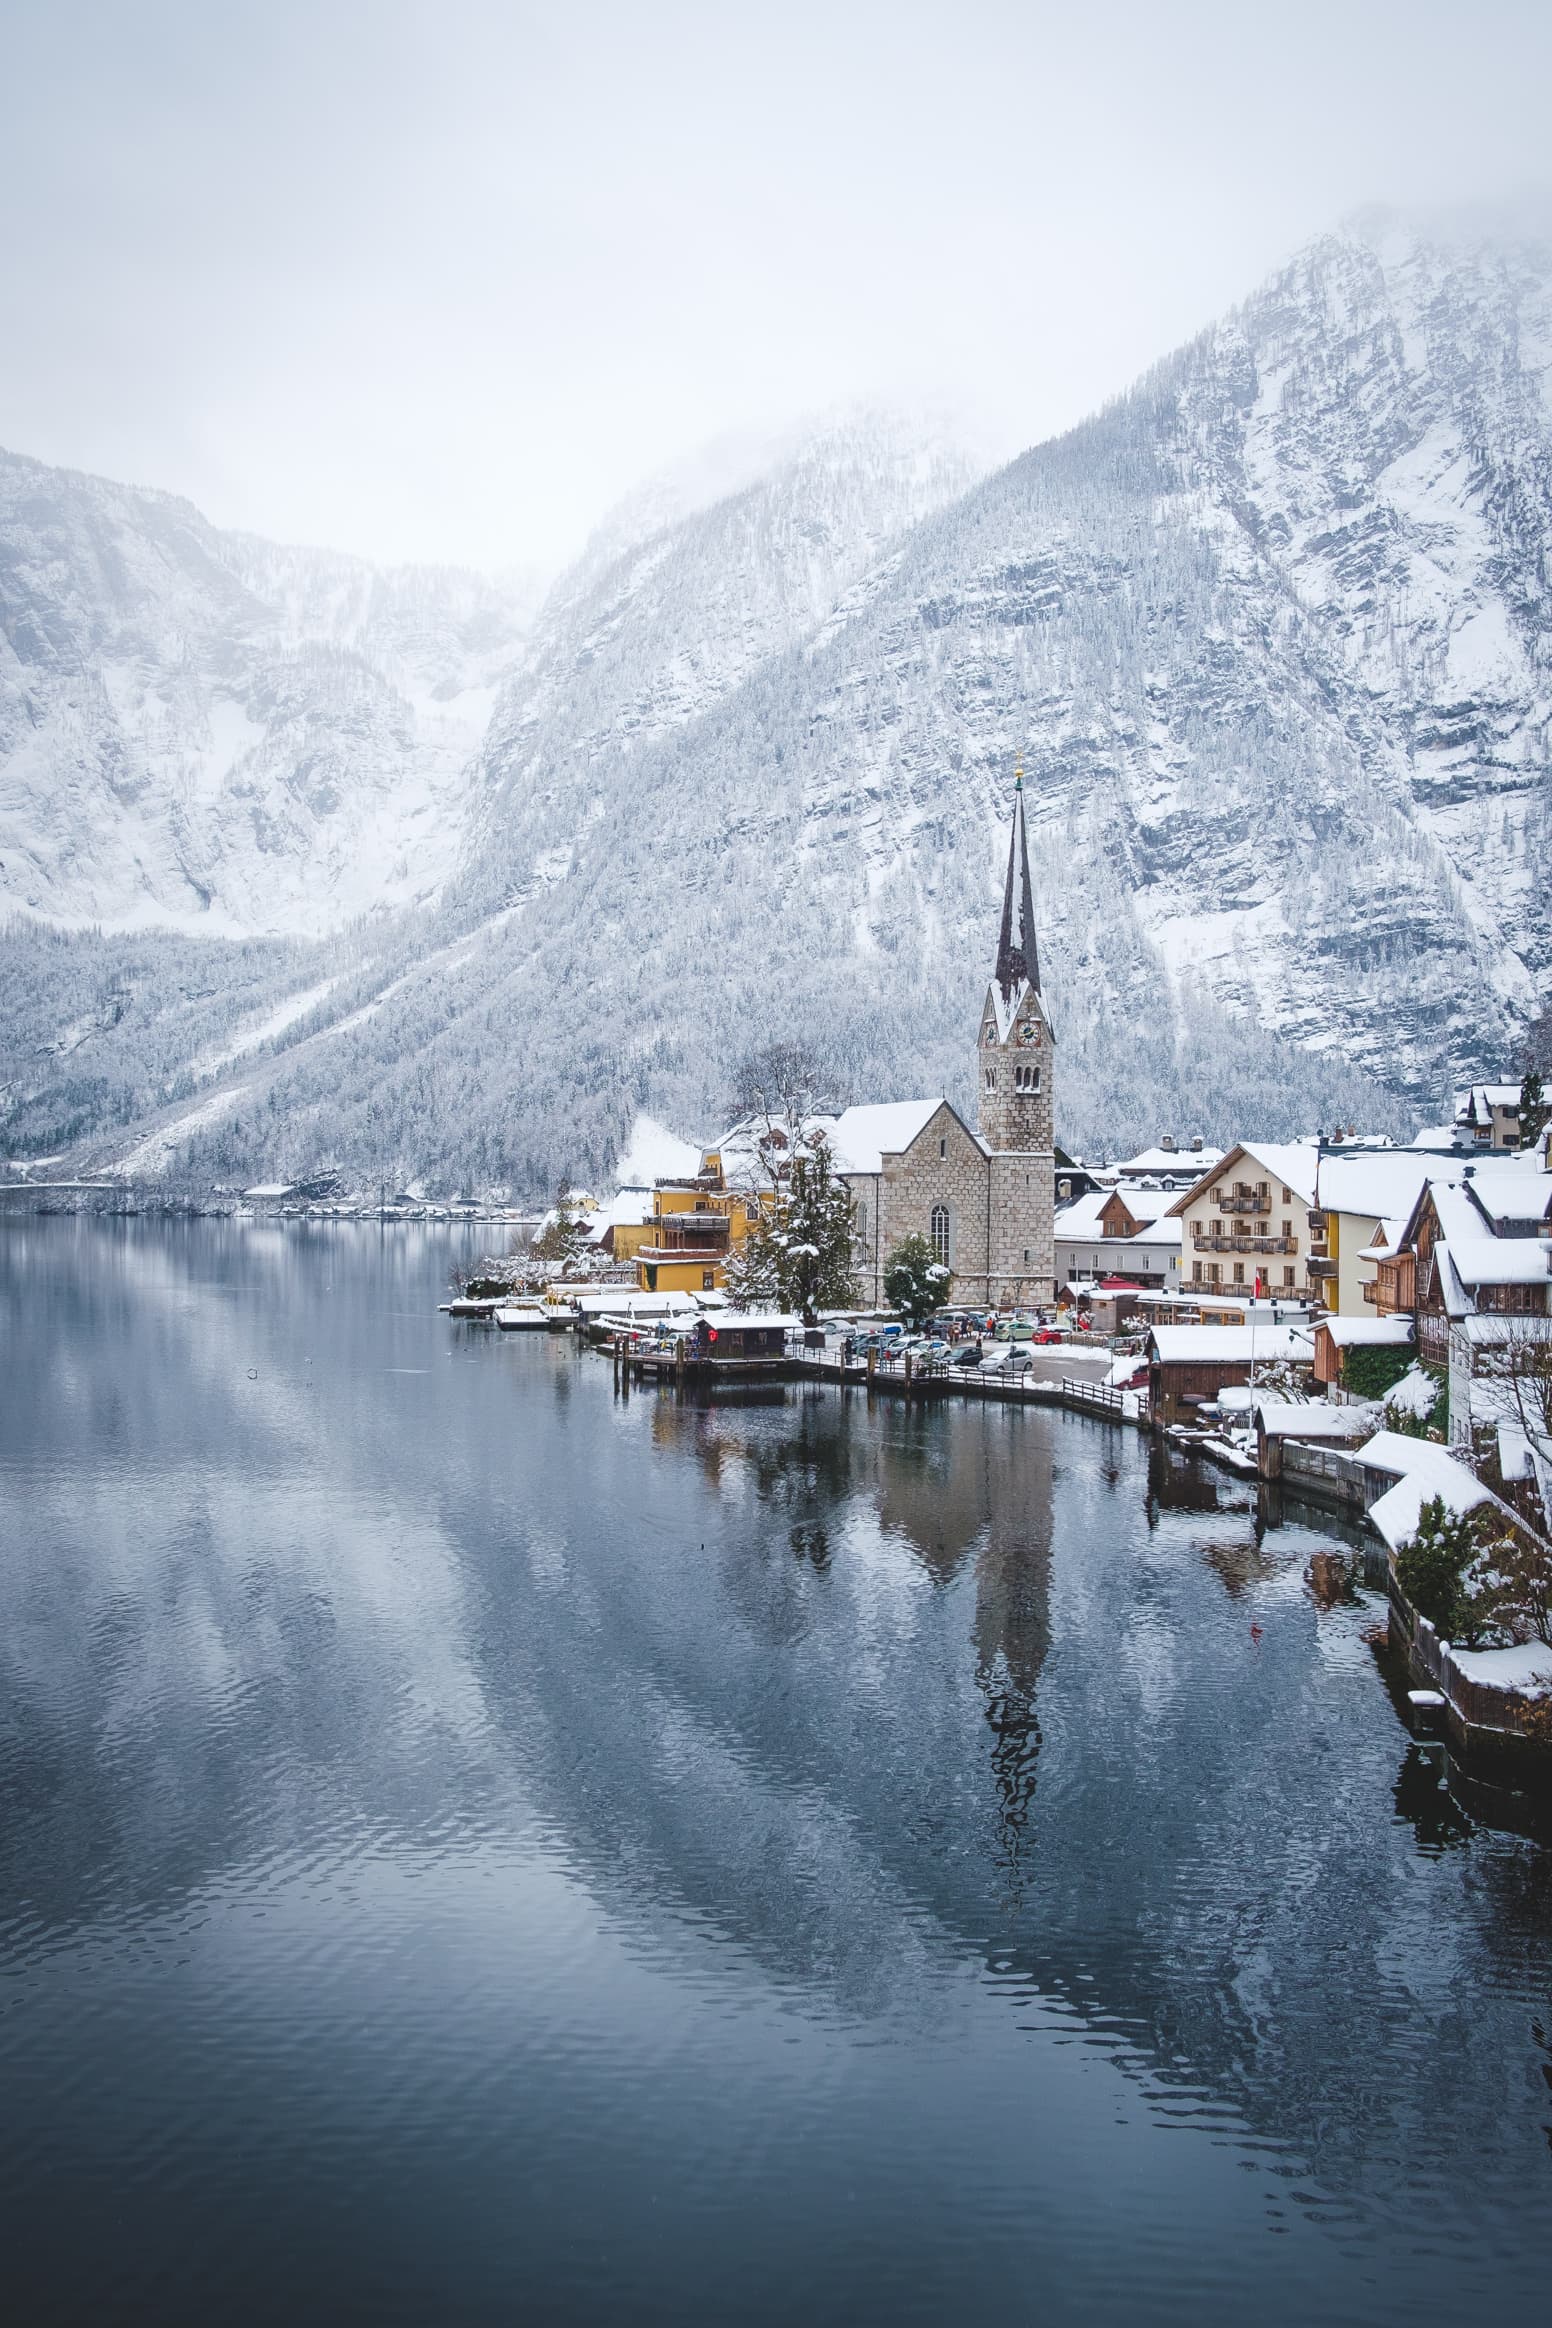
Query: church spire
x: 1018, y: 956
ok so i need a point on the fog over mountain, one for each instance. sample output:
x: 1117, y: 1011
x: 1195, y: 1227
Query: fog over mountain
x: 1270, y: 634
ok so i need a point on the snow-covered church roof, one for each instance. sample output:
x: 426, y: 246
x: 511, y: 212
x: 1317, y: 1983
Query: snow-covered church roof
x: 862, y: 1136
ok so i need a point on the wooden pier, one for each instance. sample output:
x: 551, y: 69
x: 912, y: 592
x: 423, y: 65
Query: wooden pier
x: 876, y: 1372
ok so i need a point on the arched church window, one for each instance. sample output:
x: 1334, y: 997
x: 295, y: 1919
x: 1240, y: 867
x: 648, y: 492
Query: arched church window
x: 991, y: 1078
x: 1026, y: 1078
x: 940, y: 1233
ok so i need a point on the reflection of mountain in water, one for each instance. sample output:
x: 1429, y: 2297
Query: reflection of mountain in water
x: 776, y: 1679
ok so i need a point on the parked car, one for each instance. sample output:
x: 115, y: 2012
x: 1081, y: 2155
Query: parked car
x: 1007, y: 1358
x: 1049, y: 1334
x: 968, y: 1354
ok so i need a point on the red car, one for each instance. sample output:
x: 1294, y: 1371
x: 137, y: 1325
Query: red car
x: 1049, y: 1334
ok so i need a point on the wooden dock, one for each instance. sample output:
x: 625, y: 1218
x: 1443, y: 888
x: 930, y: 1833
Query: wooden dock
x: 877, y: 1373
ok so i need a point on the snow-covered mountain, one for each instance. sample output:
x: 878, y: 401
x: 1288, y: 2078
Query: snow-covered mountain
x: 200, y: 730
x: 1270, y: 634
x: 677, y: 601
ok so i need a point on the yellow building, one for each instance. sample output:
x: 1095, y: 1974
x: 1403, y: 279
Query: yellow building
x: 1364, y: 1198
x: 694, y: 1226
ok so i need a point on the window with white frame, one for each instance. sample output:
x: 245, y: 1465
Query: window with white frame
x: 939, y: 1228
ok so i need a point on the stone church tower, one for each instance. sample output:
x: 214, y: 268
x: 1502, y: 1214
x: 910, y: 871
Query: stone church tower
x: 1015, y: 1074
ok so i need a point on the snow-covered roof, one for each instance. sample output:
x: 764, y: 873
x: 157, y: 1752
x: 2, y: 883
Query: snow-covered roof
x: 1290, y: 1163
x: 1286, y: 1419
x: 1513, y: 1188
x: 731, y: 1320
x: 1145, y: 1204
x: 1352, y: 1333
x: 1481, y: 1097
x: 1381, y: 1184
x: 628, y: 1208
x: 1179, y: 1161
x: 1485, y: 1260
x: 1247, y: 1305
x: 625, y: 1301
x: 739, y: 1146
x: 1422, y: 1470
x: 863, y: 1136
x: 1082, y: 1222
x: 1435, y: 1136
x: 1235, y: 1345
x: 1080, y: 1219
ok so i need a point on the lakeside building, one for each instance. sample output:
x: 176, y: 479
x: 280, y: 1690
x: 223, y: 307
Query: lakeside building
x: 1247, y: 1222
x: 1472, y: 1268
x: 1363, y: 1198
x: 1189, y: 1365
x: 695, y: 1225
x: 1128, y: 1231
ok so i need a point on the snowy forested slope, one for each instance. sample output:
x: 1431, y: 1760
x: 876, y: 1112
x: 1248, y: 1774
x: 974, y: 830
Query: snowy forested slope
x: 204, y: 731
x: 1271, y: 635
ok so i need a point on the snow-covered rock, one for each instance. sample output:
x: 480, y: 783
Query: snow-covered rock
x: 201, y: 730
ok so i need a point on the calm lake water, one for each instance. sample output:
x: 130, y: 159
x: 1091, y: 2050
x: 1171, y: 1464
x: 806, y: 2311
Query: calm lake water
x: 476, y: 1847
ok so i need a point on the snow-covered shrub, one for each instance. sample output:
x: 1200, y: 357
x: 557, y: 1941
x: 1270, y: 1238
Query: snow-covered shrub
x: 1418, y: 1405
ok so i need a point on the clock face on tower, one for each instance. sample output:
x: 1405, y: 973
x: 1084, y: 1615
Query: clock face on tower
x: 1029, y: 1032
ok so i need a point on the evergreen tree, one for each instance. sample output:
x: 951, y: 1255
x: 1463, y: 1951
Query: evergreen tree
x: 797, y: 1255
x: 1431, y: 1568
x: 563, y: 1240
x: 914, y: 1282
x: 1535, y: 1109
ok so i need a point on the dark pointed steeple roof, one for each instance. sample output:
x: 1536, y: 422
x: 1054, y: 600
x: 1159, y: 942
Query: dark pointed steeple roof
x: 1018, y: 956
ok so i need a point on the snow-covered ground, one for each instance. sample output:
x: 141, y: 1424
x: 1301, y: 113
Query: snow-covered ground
x: 654, y: 1153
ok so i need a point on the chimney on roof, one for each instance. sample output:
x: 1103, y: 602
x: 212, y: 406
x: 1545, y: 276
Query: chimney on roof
x: 1196, y: 1143
x: 1167, y: 1143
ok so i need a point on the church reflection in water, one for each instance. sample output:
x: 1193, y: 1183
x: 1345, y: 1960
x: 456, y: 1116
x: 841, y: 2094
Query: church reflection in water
x: 967, y: 1490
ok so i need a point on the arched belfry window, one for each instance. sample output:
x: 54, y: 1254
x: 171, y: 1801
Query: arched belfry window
x: 939, y: 1227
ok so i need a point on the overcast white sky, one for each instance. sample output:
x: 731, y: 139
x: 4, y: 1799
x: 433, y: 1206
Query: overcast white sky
x: 444, y: 281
